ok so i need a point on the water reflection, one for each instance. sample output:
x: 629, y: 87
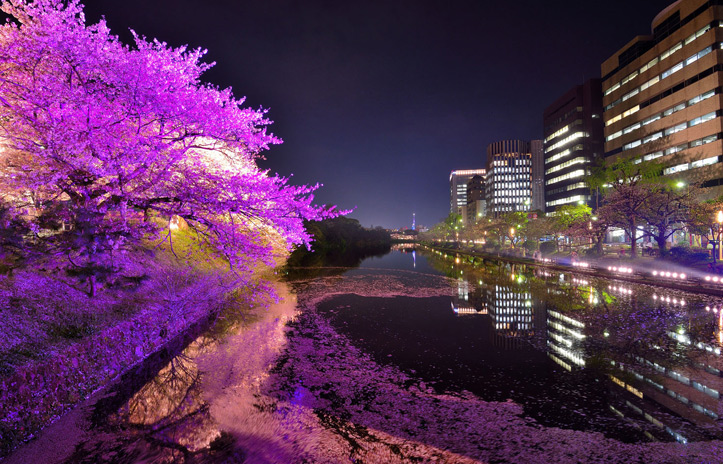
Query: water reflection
x: 656, y: 350
x: 198, y: 406
x: 576, y: 352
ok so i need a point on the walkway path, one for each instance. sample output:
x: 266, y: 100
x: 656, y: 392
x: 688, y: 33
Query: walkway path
x: 647, y: 270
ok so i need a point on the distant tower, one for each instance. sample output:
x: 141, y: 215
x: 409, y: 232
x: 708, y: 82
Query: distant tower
x: 414, y: 221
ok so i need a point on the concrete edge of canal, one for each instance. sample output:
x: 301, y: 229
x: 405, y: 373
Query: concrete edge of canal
x: 693, y: 280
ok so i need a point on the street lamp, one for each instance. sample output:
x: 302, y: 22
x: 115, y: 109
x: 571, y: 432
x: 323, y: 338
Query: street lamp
x: 720, y: 224
x: 512, y: 236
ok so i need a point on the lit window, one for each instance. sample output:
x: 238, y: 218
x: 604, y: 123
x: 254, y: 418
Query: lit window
x: 704, y: 162
x: 631, y: 128
x: 632, y: 93
x: 674, y: 129
x: 702, y: 119
x: 674, y: 169
x: 613, y: 136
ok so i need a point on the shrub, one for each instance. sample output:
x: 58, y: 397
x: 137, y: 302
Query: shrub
x: 688, y: 255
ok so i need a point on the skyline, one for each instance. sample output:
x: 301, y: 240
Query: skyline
x: 380, y: 101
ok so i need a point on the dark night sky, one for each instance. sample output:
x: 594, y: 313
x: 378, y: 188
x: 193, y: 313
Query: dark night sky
x: 380, y: 100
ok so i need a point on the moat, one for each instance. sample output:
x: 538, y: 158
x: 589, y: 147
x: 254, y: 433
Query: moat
x: 421, y: 356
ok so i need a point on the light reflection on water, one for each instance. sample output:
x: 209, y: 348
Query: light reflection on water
x: 578, y: 352
x: 657, y: 350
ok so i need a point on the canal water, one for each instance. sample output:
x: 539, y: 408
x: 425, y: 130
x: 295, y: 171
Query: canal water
x: 425, y: 356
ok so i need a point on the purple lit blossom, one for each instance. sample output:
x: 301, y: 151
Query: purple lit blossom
x: 109, y: 139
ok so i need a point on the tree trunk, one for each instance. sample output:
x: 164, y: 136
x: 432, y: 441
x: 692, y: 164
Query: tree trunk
x: 633, y: 240
x: 599, y: 246
x: 660, y: 240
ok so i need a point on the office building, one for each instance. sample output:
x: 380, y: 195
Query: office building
x: 537, y: 190
x: 509, y: 177
x: 661, y: 95
x: 458, y: 189
x: 573, y: 142
x: 476, y: 202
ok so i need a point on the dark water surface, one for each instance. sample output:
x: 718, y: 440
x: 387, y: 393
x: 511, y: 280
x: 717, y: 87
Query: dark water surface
x: 635, y: 362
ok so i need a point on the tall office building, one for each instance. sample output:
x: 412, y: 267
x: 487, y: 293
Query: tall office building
x: 538, y: 176
x: 573, y: 131
x: 661, y: 95
x: 458, y: 189
x: 509, y: 177
x: 476, y: 203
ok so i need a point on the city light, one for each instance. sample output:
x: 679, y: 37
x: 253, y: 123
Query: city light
x: 621, y: 269
x: 670, y: 275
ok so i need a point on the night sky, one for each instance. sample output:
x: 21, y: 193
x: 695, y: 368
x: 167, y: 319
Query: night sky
x: 380, y: 100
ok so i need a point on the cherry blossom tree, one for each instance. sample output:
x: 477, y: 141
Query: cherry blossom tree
x: 101, y: 141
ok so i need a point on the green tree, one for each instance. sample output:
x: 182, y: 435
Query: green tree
x: 513, y: 227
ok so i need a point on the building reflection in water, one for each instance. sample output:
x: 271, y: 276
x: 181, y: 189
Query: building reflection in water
x: 466, y: 302
x: 510, y: 307
x: 671, y: 391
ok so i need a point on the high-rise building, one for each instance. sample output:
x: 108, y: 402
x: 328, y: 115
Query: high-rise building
x: 573, y: 131
x: 476, y: 203
x: 661, y: 95
x: 538, y: 176
x: 458, y: 189
x: 509, y: 177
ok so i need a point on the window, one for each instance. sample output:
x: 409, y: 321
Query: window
x: 670, y: 51
x: 652, y: 156
x: 674, y: 169
x: 674, y: 129
x: 671, y: 150
x: 704, y: 162
x: 674, y: 109
x: 652, y: 81
x: 613, y: 136
x: 672, y: 70
x: 702, y: 119
x: 701, y: 97
x: 632, y: 93
x: 653, y: 118
x: 703, y: 141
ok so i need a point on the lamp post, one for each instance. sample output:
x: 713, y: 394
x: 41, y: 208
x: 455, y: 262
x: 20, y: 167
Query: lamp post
x: 512, y: 235
x: 720, y: 225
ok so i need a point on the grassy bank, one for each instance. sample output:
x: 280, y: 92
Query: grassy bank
x: 58, y: 345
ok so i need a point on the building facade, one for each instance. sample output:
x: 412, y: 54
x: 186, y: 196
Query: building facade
x: 538, y: 176
x: 662, y: 95
x: 476, y: 202
x: 573, y: 142
x: 509, y: 177
x: 458, y: 189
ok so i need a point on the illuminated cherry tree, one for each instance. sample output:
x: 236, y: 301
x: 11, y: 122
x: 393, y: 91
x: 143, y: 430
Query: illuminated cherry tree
x: 101, y: 139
